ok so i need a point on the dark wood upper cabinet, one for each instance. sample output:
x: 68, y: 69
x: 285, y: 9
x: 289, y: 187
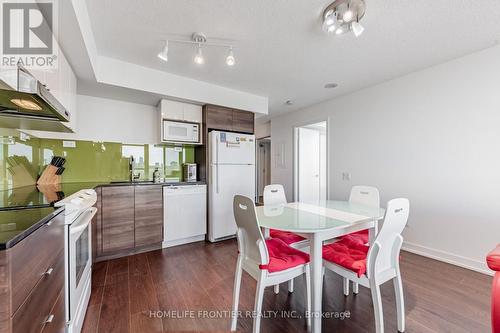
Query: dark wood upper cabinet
x: 219, y: 117
x: 148, y: 215
x: 227, y: 119
x: 117, y: 211
x: 243, y: 121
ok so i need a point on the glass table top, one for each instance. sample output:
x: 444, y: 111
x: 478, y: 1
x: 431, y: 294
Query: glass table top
x: 303, y: 217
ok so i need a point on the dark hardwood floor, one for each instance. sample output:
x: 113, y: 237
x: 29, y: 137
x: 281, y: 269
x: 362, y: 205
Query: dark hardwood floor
x: 126, y: 293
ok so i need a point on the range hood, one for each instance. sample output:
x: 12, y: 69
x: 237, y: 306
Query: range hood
x: 27, y: 104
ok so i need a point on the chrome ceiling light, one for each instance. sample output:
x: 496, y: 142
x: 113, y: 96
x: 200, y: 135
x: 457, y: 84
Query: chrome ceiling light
x: 200, y: 40
x: 342, y: 16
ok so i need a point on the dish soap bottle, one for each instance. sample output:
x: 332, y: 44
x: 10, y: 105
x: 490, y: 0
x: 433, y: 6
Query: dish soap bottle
x: 156, y: 176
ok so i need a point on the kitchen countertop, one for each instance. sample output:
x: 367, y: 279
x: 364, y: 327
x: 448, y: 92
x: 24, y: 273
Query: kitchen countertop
x: 38, y: 197
x: 23, y: 210
x: 15, y: 225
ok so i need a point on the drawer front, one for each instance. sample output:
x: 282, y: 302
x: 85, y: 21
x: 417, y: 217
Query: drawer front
x: 58, y: 322
x: 31, y: 317
x: 33, y: 256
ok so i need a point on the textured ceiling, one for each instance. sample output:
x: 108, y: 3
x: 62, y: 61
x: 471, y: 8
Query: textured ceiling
x: 280, y: 49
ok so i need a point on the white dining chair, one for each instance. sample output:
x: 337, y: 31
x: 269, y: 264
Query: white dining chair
x: 366, y: 196
x: 269, y: 262
x: 274, y: 195
x: 381, y: 263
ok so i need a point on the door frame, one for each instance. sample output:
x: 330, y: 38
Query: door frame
x: 295, y: 169
x: 258, y: 162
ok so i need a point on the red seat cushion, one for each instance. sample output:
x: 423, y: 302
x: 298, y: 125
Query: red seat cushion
x: 493, y: 259
x: 348, y: 253
x: 282, y: 256
x: 285, y: 236
x: 362, y: 236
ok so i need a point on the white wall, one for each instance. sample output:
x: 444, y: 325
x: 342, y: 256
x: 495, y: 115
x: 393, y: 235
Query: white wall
x: 262, y: 129
x: 102, y: 119
x: 432, y: 136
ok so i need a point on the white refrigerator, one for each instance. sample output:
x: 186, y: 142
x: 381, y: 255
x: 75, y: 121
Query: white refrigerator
x: 231, y: 171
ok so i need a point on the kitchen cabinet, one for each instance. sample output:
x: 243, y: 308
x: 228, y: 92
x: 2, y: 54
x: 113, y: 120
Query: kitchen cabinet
x: 32, y: 281
x: 117, y: 212
x: 227, y: 119
x: 129, y: 220
x: 148, y: 215
x: 180, y: 111
x: 243, y: 121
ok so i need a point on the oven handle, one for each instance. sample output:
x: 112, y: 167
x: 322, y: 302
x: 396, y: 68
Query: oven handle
x: 82, y: 225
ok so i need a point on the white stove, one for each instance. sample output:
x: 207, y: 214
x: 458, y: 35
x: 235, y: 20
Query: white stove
x: 78, y: 213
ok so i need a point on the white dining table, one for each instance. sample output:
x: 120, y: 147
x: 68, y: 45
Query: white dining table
x: 319, y: 222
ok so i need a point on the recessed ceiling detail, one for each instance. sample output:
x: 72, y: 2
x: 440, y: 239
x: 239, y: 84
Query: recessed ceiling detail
x: 200, y: 40
x: 342, y: 16
x: 331, y: 85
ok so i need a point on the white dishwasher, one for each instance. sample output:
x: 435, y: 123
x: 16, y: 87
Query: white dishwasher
x: 184, y: 214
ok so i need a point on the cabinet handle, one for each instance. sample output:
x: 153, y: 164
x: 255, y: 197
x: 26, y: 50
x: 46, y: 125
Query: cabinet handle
x: 48, y: 272
x: 49, y: 319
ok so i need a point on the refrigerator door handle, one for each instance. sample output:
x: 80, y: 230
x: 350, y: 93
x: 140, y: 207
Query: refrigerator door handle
x: 216, y: 149
x: 217, y: 178
x: 217, y: 163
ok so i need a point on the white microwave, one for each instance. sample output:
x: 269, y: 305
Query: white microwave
x: 181, y: 132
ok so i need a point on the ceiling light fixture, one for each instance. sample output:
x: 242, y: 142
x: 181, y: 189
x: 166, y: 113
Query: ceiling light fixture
x: 198, y: 58
x: 342, y: 16
x: 163, y: 55
x: 230, y: 61
x: 200, y: 40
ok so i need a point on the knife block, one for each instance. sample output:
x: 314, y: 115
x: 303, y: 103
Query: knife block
x: 49, y: 176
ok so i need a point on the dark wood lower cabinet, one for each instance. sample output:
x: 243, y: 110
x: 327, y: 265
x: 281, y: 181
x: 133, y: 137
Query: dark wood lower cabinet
x: 32, y: 282
x: 148, y: 215
x: 129, y: 220
x: 117, y: 212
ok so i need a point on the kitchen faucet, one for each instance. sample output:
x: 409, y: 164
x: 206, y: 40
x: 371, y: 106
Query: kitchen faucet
x: 132, y: 175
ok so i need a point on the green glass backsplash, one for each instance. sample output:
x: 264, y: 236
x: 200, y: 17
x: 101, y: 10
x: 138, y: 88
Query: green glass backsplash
x: 89, y: 161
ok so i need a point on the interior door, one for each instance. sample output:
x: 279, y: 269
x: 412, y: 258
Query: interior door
x: 309, y: 165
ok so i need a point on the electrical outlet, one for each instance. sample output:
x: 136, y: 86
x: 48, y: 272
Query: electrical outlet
x: 69, y: 144
x: 346, y: 176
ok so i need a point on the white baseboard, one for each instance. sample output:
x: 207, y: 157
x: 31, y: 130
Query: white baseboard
x: 182, y: 241
x: 446, y: 257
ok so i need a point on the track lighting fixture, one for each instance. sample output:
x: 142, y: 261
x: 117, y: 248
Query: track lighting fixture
x: 200, y: 40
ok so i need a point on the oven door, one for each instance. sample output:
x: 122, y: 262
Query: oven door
x: 79, y: 261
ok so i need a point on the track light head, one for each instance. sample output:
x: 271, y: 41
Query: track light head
x: 198, y: 58
x: 163, y: 55
x: 230, y: 61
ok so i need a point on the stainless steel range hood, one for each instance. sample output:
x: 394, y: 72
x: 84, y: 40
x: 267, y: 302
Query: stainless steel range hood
x: 26, y: 103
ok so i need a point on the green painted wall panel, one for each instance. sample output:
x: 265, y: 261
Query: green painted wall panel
x: 89, y: 161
